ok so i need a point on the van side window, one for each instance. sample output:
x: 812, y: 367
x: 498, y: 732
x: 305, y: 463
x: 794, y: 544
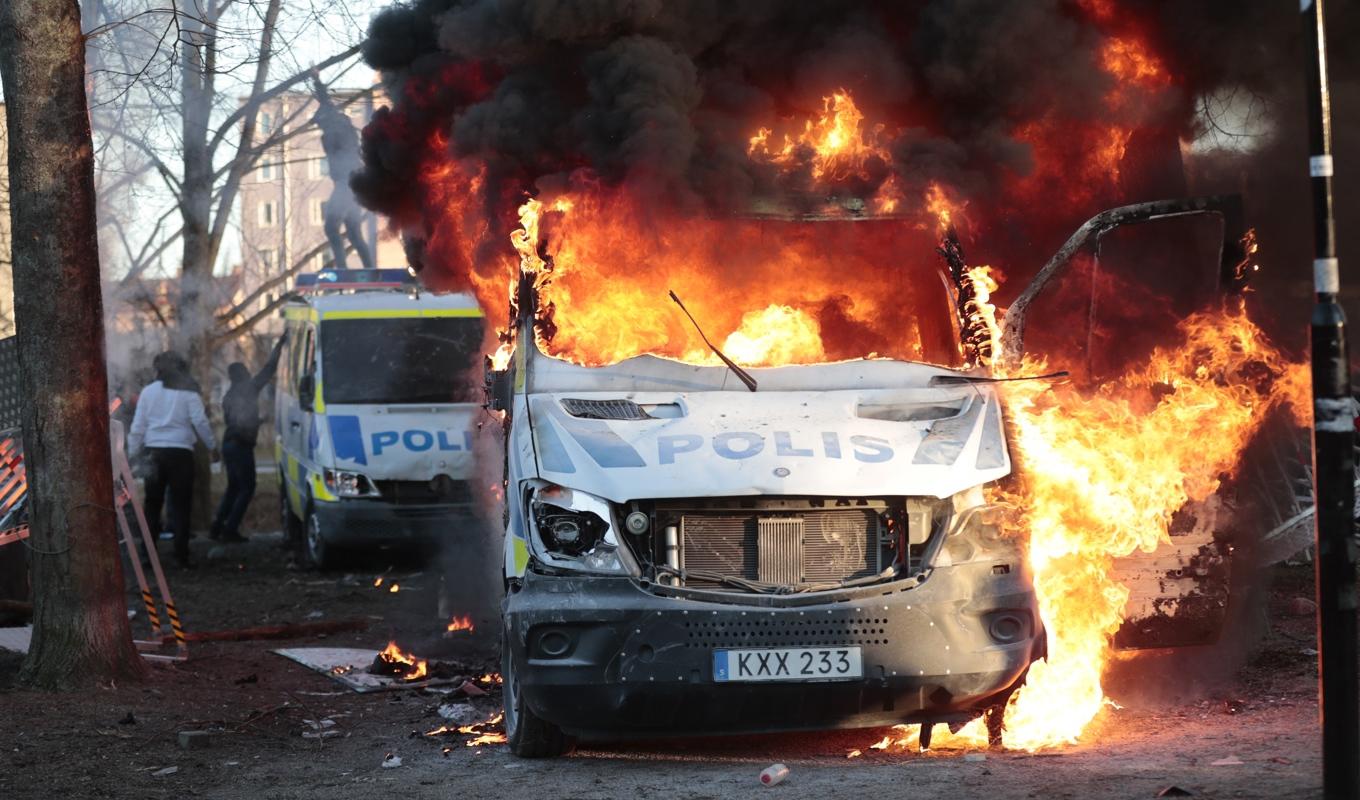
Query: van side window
x: 289, y: 353
x: 306, y: 364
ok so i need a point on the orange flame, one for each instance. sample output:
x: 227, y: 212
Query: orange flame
x: 394, y: 588
x: 393, y: 654
x: 463, y: 623
x: 833, y: 144
x: 1104, y: 471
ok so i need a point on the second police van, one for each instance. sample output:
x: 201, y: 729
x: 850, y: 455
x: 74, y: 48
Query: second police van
x: 374, y: 412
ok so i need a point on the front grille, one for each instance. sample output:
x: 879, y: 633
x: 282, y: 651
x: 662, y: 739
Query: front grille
x: 438, y: 491
x: 811, y: 630
x: 811, y: 546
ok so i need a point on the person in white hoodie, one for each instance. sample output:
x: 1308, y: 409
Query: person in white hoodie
x: 169, y: 417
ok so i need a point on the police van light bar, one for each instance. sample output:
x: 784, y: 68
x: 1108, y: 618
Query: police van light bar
x: 350, y: 279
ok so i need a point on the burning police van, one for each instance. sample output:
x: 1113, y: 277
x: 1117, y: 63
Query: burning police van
x: 374, y: 412
x: 704, y: 549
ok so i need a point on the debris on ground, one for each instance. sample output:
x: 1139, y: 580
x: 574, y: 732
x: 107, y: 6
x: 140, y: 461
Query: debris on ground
x: 773, y: 774
x: 161, y: 773
x: 128, y: 720
x: 391, y: 761
x: 1174, y: 791
x: 194, y: 740
x: 460, y: 713
x: 319, y: 729
x: 974, y: 756
x: 1226, y: 761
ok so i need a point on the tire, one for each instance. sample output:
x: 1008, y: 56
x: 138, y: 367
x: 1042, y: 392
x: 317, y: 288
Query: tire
x: 529, y: 736
x: 320, y: 555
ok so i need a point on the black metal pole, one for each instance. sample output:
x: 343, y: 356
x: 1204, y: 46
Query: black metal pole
x: 1333, y: 456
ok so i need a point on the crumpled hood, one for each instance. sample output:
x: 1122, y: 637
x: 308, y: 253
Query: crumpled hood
x: 849, y: 443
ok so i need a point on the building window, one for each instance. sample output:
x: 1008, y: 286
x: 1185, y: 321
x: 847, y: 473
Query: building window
x: 267, y: 171
x: 318, y: 211
x: 318, y: 168
x: 267, y: 260
x: 321, y: 260
x: 266, y: 123
x: 268, y: 214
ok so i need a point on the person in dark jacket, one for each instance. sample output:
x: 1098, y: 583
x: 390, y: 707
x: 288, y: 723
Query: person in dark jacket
x: 241, y: 412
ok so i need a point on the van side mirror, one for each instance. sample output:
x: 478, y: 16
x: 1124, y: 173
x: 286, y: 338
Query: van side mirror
x: 307, y: 391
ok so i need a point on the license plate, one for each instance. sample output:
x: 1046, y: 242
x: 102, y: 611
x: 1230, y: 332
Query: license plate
x: 788, y: 664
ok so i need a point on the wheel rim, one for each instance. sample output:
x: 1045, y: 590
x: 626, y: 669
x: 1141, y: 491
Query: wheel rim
x: 509, y: 690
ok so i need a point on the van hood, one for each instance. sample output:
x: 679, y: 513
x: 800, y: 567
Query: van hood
x: 849, y: 443
x: 397, y: 442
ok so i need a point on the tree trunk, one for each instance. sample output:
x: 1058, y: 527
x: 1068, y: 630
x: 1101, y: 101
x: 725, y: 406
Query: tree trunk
x: 80, y: 627
x: 193, y: 334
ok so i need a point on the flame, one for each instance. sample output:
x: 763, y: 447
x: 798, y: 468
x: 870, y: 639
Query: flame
x: 1105, y: 468
x: 1129, y: 60
x: 463, y: 623
x: 394, y: 588
x: 777, y: 334
x: 393, y: 654
x: 980, y: 308
x: 377, y: 582
x: 833, y: 144
x: 604, y: 268
x: 940, y: 206
x: 483, y: 733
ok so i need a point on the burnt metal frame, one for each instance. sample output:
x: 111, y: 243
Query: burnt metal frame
x: 1231, y: 255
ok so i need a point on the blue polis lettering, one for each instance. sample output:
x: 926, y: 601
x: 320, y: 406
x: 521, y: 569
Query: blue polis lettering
x: 418, y: 441
x: 737, y: 445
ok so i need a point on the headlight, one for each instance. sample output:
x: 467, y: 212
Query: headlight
x: 349, y: 484
x: 575, y: 530
x: 568, y: 531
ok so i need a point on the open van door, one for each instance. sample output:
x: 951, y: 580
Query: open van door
x: 1127, y: 275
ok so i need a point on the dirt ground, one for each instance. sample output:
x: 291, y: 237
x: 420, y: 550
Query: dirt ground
x: 1175, y: 723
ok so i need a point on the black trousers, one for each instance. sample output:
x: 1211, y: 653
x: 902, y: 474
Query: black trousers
x: 172, y: 468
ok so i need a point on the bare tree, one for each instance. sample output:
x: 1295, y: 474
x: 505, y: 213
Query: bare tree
x: 80, y: 631
x: 207, y: 67
x: 179, y: 90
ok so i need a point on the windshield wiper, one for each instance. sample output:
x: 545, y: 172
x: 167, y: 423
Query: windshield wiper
x: 736, y: 370
x: 951, y: 380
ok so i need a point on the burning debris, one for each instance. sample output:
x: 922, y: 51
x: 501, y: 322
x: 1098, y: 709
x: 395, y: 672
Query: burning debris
x: 463, y: 623
x: 491, y: 731
x: 395, y: 662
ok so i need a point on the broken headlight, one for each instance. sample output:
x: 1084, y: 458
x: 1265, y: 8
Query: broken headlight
x: 575, y: 531
x: 567, y: 531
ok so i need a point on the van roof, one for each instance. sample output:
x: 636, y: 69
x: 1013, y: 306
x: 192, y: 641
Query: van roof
x: 388, y: 301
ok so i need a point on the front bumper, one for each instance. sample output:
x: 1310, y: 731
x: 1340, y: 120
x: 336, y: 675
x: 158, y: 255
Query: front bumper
x: 375, y: 523
x: 605, y: 657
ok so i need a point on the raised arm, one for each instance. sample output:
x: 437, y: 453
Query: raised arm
x: 266, y: 373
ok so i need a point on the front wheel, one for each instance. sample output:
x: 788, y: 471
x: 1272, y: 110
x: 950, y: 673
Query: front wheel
x: 321, y: 555
x: 529, y: 736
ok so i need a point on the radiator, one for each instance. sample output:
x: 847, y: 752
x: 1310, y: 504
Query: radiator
x: 813, y: 546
